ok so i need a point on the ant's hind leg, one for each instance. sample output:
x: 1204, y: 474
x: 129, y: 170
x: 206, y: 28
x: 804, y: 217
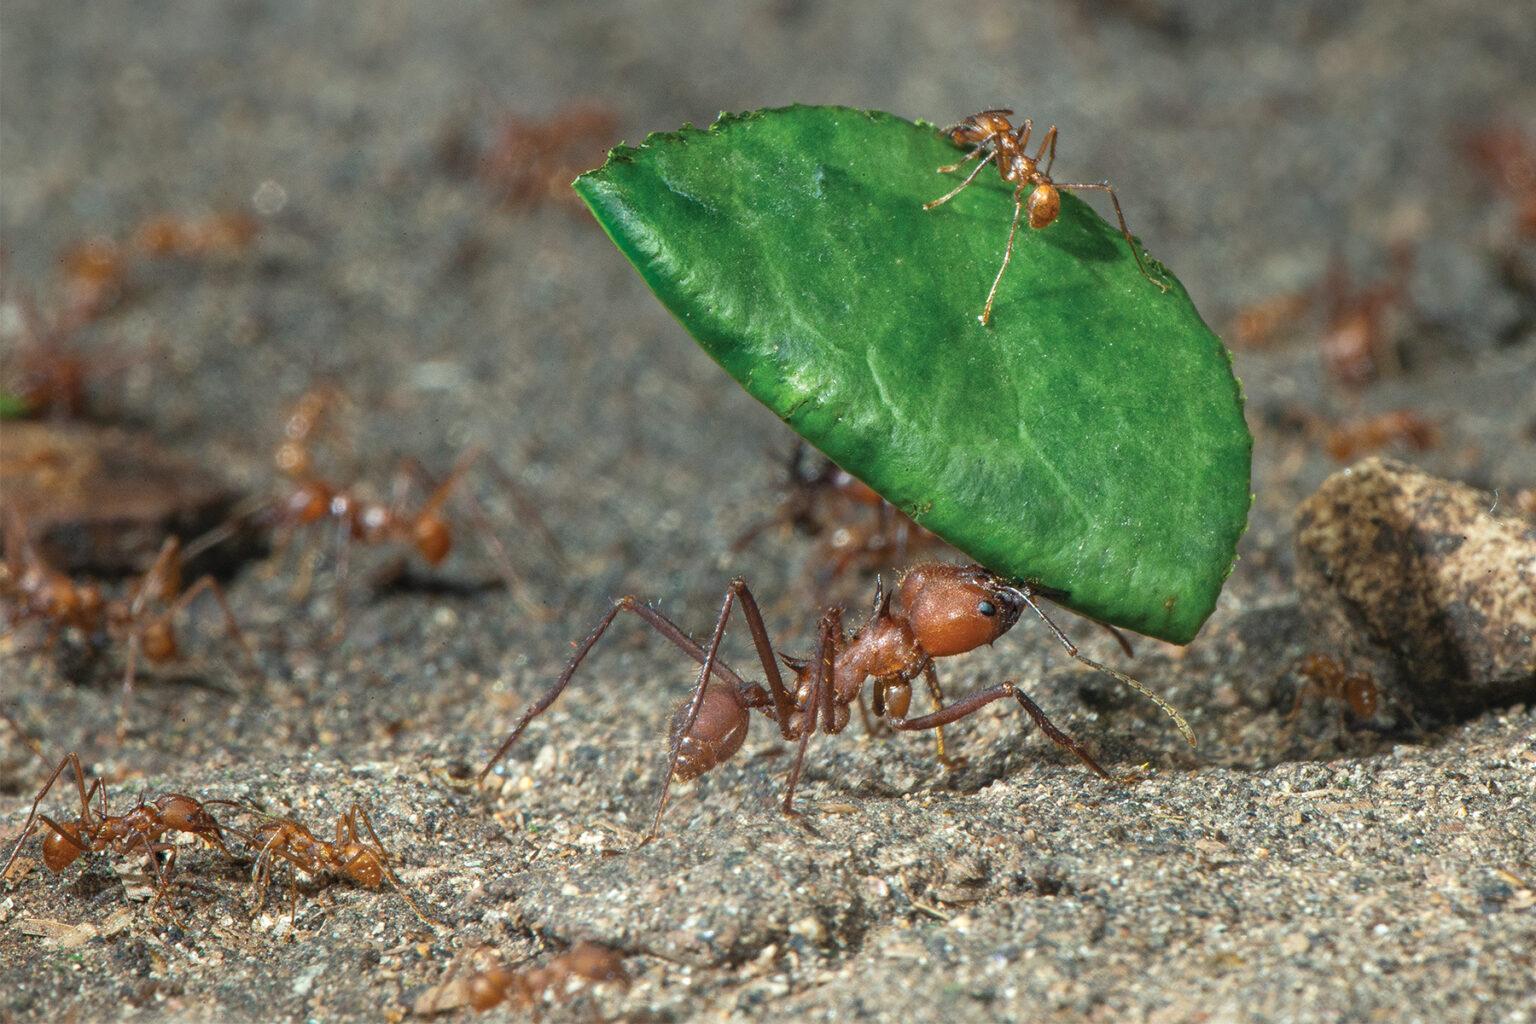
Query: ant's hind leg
x: 85, y: 805
x: 1104, y: 186
x: 818, y: 706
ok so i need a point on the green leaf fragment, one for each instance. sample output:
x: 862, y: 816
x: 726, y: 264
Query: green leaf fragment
x: 1091, y: 439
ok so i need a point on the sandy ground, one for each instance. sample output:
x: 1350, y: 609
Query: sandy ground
x: 1306, y: 873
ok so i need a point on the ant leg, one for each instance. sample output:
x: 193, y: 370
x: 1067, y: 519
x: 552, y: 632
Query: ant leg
x: 85, y: 805
x: 1047, y: 143
x: 1018, y: 211
x: 946, y: 197
x: 976, y: 701
x: 129, y: 675
x: 818, y: 705
x: 25, y: 737
x: 357, y: 812
x: 1168, y: 709
x: 231, y: 626
x: 1104, y: 186
x: 783, y: 701
x: 343, y: 562
x: 935, y: 691
x: 972, y: 155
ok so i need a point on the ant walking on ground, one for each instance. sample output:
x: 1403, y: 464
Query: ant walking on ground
x: 140, y: 830
x: 145, y: 620
x: 993, y: 137
x: 350, y: 856
x: 946, y: 610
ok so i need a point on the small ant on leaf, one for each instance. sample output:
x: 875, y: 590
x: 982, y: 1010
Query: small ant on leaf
x: 364, y: 862
x: 993, y: 137
x: 140, y: 830
x: 946, y: 610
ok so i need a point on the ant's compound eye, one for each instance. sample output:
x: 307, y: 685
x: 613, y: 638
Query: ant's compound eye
x: 986, y: 608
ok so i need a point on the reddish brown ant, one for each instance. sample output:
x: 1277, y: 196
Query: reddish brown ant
x: 1356, y: 345
x: 586, y: 962
x: 946, y: 610
x: 140, y: 830
x: 364, y: 862
x: 218, y: 234
x: 145, y: 620
x: 533, y: 162
x: 993, y: 137
x: 1325, y: 677
x: 1348, y: 441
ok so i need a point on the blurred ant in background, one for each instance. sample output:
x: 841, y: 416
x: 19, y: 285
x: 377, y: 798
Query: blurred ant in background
x: 822, y: 500
x: 1359, y: 341
x: 530, y: 161
x: 1508, y: 158
x: 585, y: 963
x: 946, y: 610
x: 310, y: 500
x: 992, y: 136
x: 144, y: 620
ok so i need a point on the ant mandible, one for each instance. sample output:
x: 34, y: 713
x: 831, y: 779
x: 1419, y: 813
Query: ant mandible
x: 946, y: 610
x: 140, y: 830
x: 365, y: 863
x: 993, y: 137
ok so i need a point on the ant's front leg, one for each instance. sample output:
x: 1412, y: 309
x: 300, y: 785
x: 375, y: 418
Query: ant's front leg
x: 980, y: 699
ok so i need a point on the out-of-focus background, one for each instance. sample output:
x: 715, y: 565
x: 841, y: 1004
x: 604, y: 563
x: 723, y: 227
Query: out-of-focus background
x: 211, y: 209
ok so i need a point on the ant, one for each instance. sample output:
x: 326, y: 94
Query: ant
x: 218, y: 234
x: 365, y: 863
x: 356, y: 518
x: 1356, y: 345
x: 1324, y: 676
x: 586, y: 962
x: 993, y: 137
x: 140, y: 830
x: 533, y: 162
x: 888, y: 534
x: 145, y: 620
x: 1348, y: 441
x: 946, y: 610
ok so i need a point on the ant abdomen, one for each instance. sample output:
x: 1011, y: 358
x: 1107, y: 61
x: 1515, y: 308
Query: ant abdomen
x: 60, y: 851
x: 433, y: 537
x: 715, y: 736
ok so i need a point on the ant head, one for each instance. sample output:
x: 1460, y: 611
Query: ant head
x: 957, y: 608
x: 61, y: 848
x: 433, y: 537
x: 159, y: 640
x: 1044, y: 205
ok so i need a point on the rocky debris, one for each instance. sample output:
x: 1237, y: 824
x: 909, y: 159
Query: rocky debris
x: 1413, y: 579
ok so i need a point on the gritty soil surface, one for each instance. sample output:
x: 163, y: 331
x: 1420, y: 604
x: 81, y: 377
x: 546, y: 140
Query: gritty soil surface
x: 1312, y: 870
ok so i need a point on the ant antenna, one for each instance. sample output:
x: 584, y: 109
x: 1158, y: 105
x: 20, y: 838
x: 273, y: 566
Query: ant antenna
x: 1025, y: 595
